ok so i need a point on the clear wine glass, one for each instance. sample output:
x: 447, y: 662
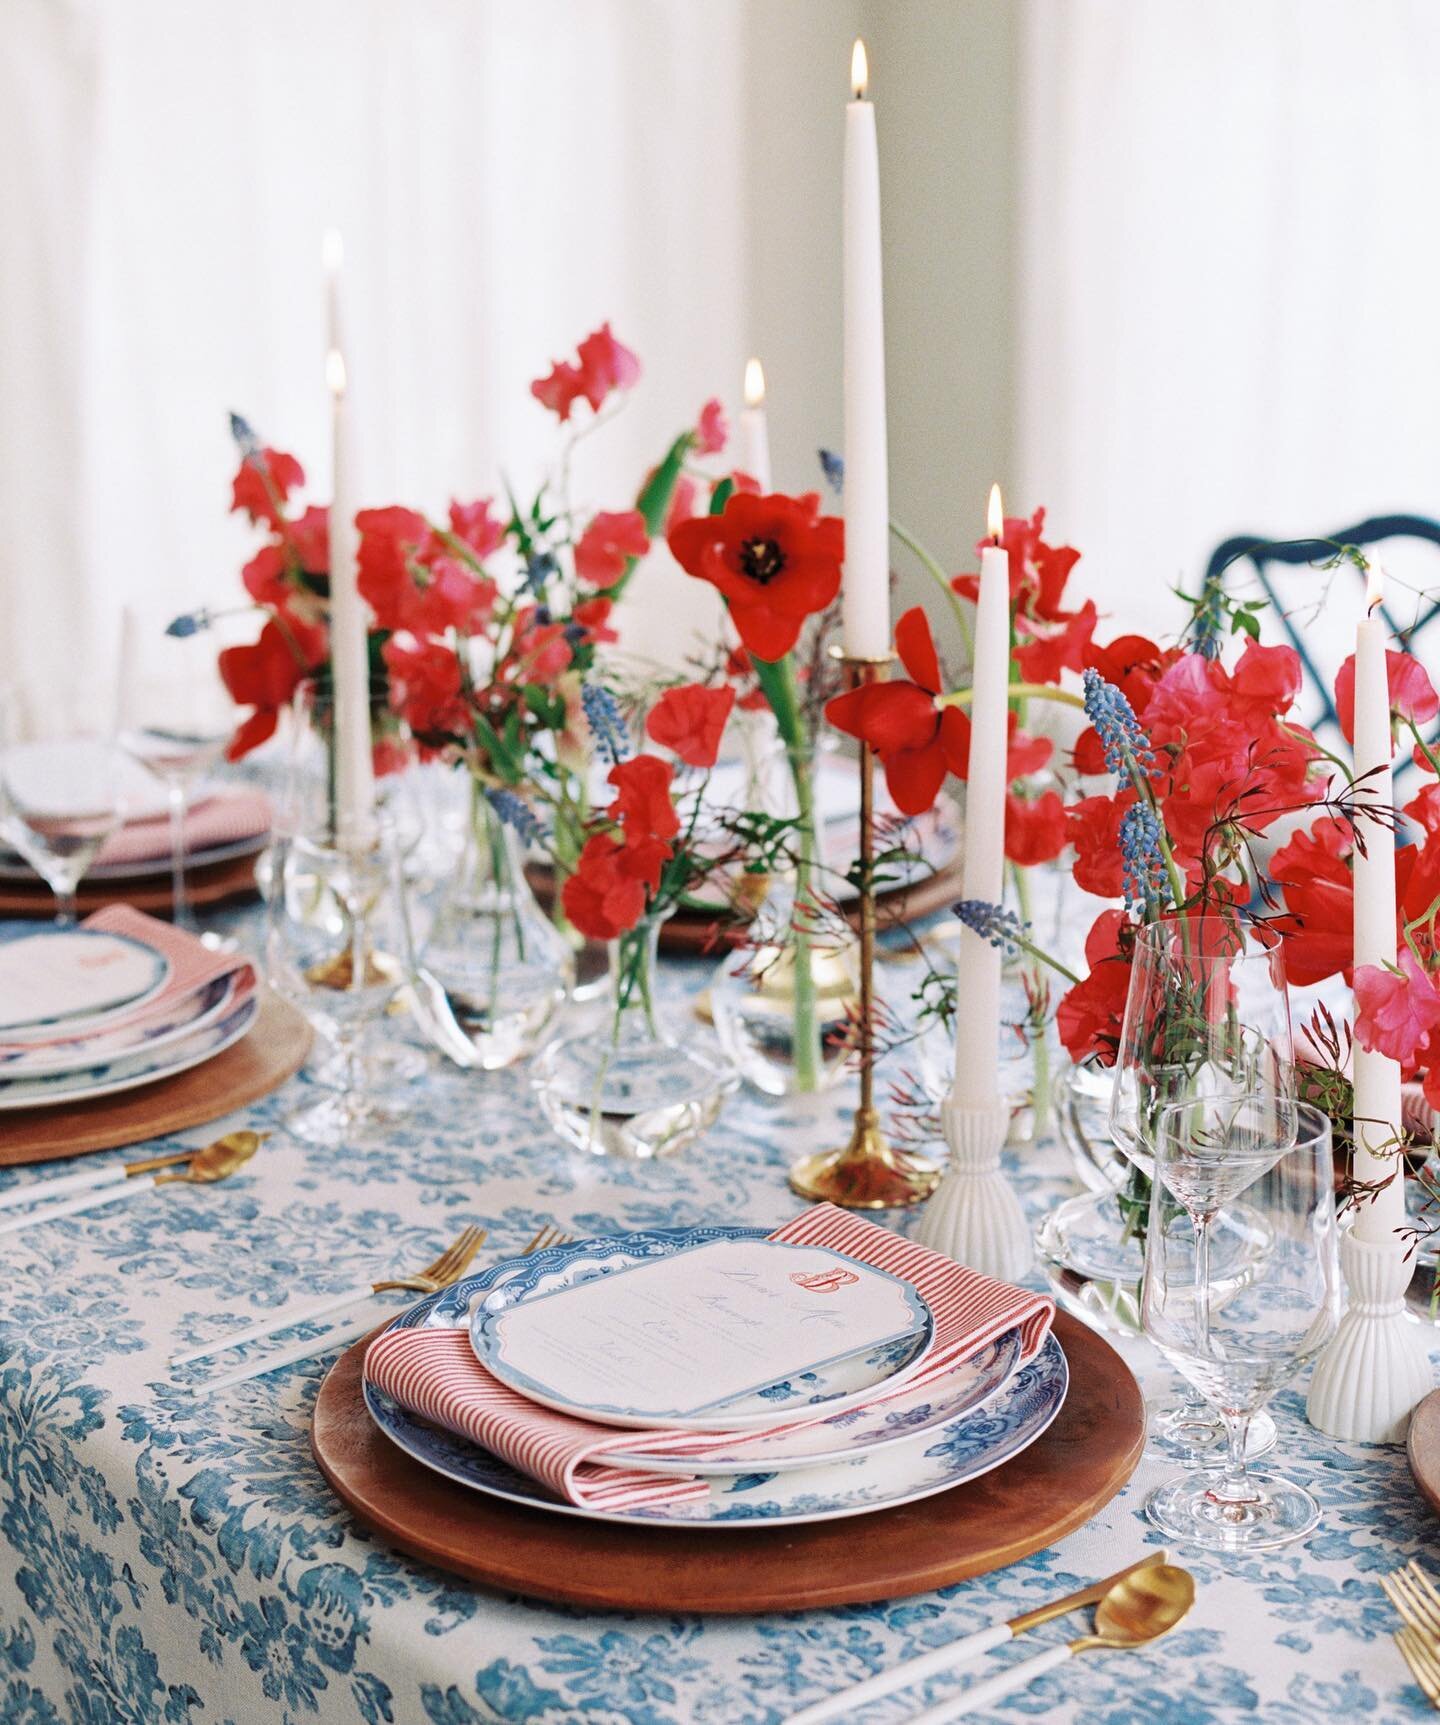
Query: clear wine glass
x: 62, y: 794
x: 174, y: 718
x: 1208, y: 1013
x: 1242, y: 1183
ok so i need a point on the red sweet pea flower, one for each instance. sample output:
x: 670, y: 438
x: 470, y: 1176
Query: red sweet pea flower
x: 474, y: 523
x: 1395, y: 1013
x: 642, y: 804
x: 1265, y: 682
x: 1094, y: 830
x: 426, y: 690
x: 605, y: 365
x: 539, y: 652
x: 711, y: 432
x: 776, y: 560
x: 560, y: 390
x: 447, y: 596
x: 389, y: 539
x: 603, y: 899
x: 1412, y: 694
x: 309, y: 540
x: 917, y: 742
x: 593, y: 616
x: 1046, y: 648
x: 260, y: 500
x: 1424, y: 809
x: 1320, y: 853
x: 1034, y: 830
x: 691, y: 721
x: 1134, y: 664
x: 264, y: 576
x: 1089, y: 1016
x: 608, y: 544
x: 266, y: 674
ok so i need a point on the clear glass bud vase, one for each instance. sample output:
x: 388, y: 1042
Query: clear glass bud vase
x: 621, y: 1083
x: 752, y: 998
x: 503, y: 964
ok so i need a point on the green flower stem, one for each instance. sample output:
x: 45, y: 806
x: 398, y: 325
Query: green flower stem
x: 1018, y: 692
x: 777, y: 680
x: 941, y: 580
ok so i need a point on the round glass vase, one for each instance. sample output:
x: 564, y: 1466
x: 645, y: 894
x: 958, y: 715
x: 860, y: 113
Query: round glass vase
x: 621, y: 1083
x: 504, y: 966
x: 753, y: 999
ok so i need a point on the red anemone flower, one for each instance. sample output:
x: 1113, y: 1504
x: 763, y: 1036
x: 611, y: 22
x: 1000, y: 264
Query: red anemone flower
x: 776, y: 560
x: 917, y: 742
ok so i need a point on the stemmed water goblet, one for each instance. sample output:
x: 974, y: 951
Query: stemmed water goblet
x: 1207, y: 1013
x: 1241, y: 1288
x: 61, y: 795
x: 174, y: 717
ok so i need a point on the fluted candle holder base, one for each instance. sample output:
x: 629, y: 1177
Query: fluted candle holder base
x: 975, y: 1216
x: 1376, y: 1367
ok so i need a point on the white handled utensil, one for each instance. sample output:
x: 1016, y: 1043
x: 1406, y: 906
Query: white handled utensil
x: 214, y: 1162
x: 954, y: 1654
x: 1137, y: 1610
x: 338, y: 1337
x: 42, y: 1191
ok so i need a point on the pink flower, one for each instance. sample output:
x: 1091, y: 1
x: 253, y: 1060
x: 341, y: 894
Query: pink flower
x: 1395, y: 1012
x: 607, y: 545
x: 474, y: 523
x: 711, y: 431
x: 560, y: 390
x: 1412, y: 694
x: 605, y: 365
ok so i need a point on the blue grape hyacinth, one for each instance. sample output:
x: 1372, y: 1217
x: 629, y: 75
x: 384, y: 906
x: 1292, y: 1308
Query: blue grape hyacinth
x: 992, y: 922
x: 606, y: 722
x: 1127, y: 748
x: 515, y: 812
x: 1146, y: 880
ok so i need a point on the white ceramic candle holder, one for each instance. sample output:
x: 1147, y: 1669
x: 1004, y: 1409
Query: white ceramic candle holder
x: 1376, y: 1367
x: 974, y: 1215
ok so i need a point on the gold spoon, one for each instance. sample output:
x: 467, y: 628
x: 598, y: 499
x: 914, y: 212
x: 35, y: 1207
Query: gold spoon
x: 1140, y: 1608
x: 215, y: 1161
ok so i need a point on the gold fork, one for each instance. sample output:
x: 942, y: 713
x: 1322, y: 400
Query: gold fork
x: 1419, y: 1655
x: 447, y: 1268
x: 549, y: 1235
x: 1410, y: 1591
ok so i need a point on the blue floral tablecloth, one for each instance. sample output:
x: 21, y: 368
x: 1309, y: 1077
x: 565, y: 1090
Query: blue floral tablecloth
x: 168, y: 1557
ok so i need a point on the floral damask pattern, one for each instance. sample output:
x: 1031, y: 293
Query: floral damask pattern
x: 172, y: 1557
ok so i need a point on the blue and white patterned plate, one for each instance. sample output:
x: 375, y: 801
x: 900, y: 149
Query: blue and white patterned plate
x: 894, y: 1465
x: 111, y: 1077
x: 84, y: 1053
x: 840, y: 1381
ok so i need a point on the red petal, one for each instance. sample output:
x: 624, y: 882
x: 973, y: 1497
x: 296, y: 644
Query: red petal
x: 916, y: 647
x: 914, y: 777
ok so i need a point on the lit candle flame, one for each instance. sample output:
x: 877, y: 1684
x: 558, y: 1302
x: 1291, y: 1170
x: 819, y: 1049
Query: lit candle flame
x: 859, y: 70
x: 995, y: 516
x: 335, y: 371
x: 332, y: 251
x: 754, y: 383
x: 1374, y: 584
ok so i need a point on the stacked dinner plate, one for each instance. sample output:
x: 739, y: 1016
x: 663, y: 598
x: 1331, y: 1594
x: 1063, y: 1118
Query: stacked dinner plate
x: 571, y: 1330
x: 122, y: 1001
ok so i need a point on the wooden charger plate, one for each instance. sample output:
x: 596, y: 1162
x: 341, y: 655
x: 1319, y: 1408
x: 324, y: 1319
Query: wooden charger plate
x: 270, y: 1052
x: 217, y: 884
x: 1423, y: 1448
x: 1055, y: 1486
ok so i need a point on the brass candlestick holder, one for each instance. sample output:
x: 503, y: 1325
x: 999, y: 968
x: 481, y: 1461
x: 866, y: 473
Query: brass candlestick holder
x: 867, y: 1173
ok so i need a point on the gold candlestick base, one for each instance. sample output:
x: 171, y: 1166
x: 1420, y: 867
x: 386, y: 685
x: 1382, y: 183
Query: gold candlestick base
x: 869, y: 1173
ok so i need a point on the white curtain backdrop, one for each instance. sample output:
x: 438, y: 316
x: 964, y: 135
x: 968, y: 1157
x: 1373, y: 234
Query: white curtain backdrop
x: 1229, y: 254
x: 505, y: 176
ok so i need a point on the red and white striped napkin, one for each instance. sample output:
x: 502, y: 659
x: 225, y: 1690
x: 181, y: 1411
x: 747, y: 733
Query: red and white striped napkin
x: 222, y: 819
x: 435, y: 1374
x: 193, y: 966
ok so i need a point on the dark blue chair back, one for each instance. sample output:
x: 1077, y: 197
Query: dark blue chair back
x: 1264, y: 556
